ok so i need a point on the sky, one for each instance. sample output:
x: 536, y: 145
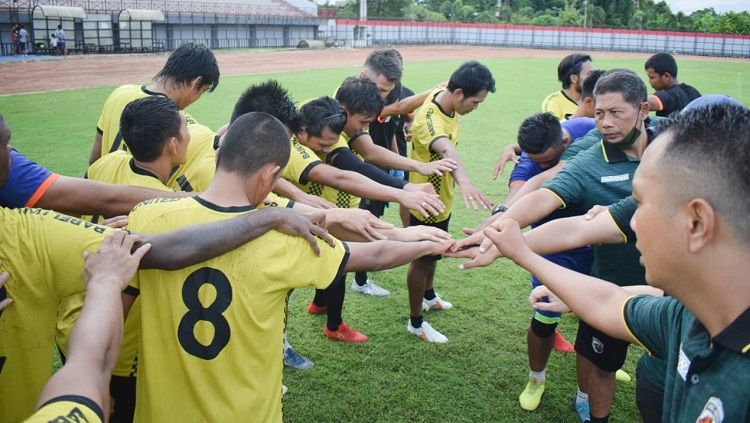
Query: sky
x: 689, y: 6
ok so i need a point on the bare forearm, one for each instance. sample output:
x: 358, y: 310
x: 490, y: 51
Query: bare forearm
x: 535, y: 183
x: 286, y: 189
x: 531, y: 208
x: 595, y: 301
x: 381, y: 255
x: 406, y: 105
x: 194, y: 244
x: 362, y: 186
x: 384, y: 158
x: 573, y: 232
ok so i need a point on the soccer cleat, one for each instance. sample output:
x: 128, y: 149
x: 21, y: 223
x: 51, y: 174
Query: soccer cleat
x: 296, y: 360
x: 370, y: 288
x: 582, y: 410
x: 622, y: 376
x: 344, y: 334
x: 436, y: 303
x: 562, y: 345
x: 531, y: 395
x: 427, y: 333
x: 313, y: 308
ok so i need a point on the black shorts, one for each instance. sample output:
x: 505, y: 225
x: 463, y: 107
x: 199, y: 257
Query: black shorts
x: 413, y: 221
x: 605, y: 352
x: 649, y: 398
x: 122, y: 391
x: 377, y: 208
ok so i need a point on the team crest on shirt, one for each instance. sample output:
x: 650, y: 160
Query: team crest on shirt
x: 713, y: 412
x: 597, y: 345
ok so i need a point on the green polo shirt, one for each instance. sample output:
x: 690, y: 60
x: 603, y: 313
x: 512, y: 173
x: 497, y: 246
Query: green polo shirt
x: 603, y: 174
x: 622, y: 213
x: 594, y: 136
x: 707, y: 379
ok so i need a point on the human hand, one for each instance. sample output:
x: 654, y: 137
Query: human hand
x: 507, y: 155
x: 438, y: 167
x: 315, y: 201
x: 424, y: 203
x: 474, y: 198
x: 115, y: 263
x: 4, y: 300
x: 310, y: 225
x: 117, y: 222
x: 507, y: 238
x: 542, y: 299
x: 594, y: 211
x: 422, y: 233
x: 358, y: 221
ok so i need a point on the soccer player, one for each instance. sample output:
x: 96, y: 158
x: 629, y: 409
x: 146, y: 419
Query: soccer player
x: 79, y: 391
x: 434, y: 137
x: 541, y: 138
x: 571, y: 72
x: 600, y: 175
x: 223, y: 319
x: 694, y: 240
x: 671, y: 95
x: 360, y: 101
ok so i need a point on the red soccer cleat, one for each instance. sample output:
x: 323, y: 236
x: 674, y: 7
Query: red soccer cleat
x: 345, y: 334
x: 313, y: 308
x: 562, y: 345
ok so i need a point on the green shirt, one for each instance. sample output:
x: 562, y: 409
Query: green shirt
x: 706, y: 377
x: 622, y: 212
x: 602, y: 175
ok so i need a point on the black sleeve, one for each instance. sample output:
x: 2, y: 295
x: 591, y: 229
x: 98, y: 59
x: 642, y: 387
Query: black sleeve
x: 344, y: 159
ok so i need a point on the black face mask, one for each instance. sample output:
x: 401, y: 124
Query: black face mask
x: 631, y: 137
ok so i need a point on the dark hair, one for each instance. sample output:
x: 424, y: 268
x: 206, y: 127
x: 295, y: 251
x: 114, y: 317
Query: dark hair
x: 387, y: 63
x: 268, y: 97
x: 4, y: 125
x: 623, y: 81
x: 539, y: 132
x: 472, y: 77
x: 59, y: 26
x: 662, y: 63
x: 188, y: 62
x: 570, y: 65
x: 710, y: 153
x: 147, y: 123
x: 360, y: 95
x: 587, y: 90
x: 252, y: 141
x: 321, y: 113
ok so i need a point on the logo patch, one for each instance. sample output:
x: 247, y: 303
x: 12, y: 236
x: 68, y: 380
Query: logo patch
x: 713, y: 412
x: 683, y: 365
x: 597, y: 345
x: 615, y: 178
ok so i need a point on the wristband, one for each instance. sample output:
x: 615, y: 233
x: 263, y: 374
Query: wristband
x: 500, y: 208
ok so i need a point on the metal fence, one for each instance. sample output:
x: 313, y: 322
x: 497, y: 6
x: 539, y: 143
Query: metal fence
x: 366, y: 33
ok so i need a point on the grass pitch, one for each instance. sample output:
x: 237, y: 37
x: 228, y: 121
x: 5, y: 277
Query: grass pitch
x: 478, y: 375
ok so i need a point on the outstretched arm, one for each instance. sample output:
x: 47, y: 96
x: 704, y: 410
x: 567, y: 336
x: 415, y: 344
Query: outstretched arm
x: 379, y: 255
x: 95, y: 340
x: 386, y: 158
x: 286, y: 189
x: 80, y: 196
x: 194, y: 244
x: 96, y: 148
x: 595, y: 301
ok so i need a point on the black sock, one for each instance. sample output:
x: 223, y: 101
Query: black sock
x: 429, y: 294
x: 360, y: 278
x: 320, y: 298
x: 416, y: 321
x: 335, y: 302
x: 604, y: 419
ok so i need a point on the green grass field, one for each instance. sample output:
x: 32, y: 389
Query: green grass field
x: 478, y: 375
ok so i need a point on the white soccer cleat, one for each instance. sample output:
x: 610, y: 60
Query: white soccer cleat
x: 436, y: 303
x: 370, y: 288
x: 427, y: 333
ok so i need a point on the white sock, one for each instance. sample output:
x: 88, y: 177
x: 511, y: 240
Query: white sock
x: 286, y: 342
x: 538, y: 376
x: 581, y: 397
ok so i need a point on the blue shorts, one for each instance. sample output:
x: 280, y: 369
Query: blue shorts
x: 578, y: 260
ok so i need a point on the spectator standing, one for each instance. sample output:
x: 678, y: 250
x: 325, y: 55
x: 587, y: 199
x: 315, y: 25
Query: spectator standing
x: 21, y: 40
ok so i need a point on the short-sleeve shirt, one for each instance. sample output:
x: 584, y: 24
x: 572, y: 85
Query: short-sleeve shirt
x: 603, y: 174
x: 675, y: 98
x: 68, y: 408
x: 26, y: 182
x: 342, y: 199
x: 211, y: 337
x: 622, y: 213
x: 559, y: 104
x: 431, y: 123
x: 301, y: 161
x: 41, y: 250
x: 707, y: 379
x: 201, y: 137
x: 578, y: 127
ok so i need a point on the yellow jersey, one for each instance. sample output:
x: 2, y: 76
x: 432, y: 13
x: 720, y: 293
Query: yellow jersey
x: 559, y: 105
x: 41, y: 250
x: 200, y: 163
x: 68, y: 409
x: 431, y: 123
x: 201, y: 137
x: 211, y: 338
x: 339, y: 198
